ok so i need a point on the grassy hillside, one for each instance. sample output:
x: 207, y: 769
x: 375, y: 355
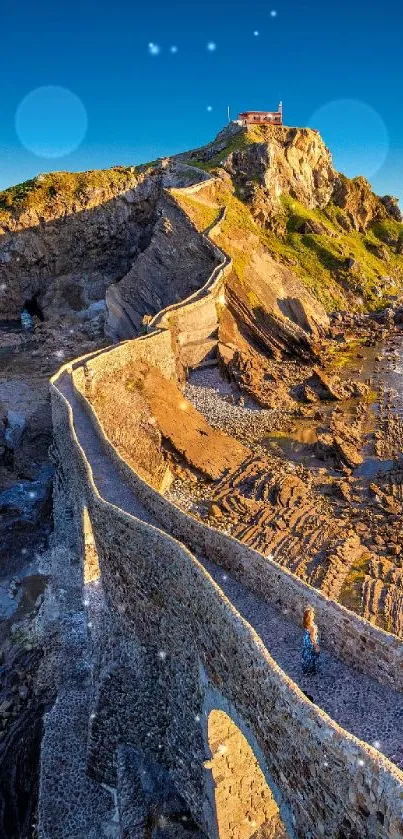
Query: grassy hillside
x: 40, y: 195
x: 323, y: 261
x: 343, y: 268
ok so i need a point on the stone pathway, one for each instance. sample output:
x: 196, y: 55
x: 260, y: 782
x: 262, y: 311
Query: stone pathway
x: 359, y: 704
x: 108, y: 479
x: 371, y: 711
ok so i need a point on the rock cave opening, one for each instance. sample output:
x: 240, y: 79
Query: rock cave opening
x: 32, y: 306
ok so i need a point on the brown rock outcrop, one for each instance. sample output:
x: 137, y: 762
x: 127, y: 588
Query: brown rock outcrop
x: 294, y: 161
x: 391, y: 205
x: 67, y: 255
x: 159, y: 421
x: 176, y: 262
x: 360, y: 204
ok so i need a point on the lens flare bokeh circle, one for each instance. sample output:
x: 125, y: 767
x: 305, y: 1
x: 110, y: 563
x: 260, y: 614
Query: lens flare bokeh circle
x: 51, y: 121
x: 356, y: 134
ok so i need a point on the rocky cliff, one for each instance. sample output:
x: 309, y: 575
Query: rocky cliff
x: 294, y: 162
x: 176, y: 262
x: 65, y: 238
x: 340, y: 239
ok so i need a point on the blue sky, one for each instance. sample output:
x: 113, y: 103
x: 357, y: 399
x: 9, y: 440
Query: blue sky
x: 134, y: 106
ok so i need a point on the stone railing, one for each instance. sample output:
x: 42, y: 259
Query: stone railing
x: 372, y: 650
x: 194, y: 322
x: 157, y: 587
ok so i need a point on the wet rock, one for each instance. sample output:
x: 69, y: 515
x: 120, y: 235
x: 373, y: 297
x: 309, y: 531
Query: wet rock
x: 15, y: 425
x: 324, y: 386
x: 24, y: 518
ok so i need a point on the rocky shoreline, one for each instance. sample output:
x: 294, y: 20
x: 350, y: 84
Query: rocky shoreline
x: 345, y: 483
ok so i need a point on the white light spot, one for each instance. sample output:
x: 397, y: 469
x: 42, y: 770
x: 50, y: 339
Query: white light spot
x: 3, y: 287
x: 224, y: 576
x: 93, y: 715
x: 174, y: 49
x: 86, y: 602
x: 273, y: 13
x: 32, y: 494
x: 325, y: 764
x: 211, y: 46
x: 256, y: 33
x: 360, y: 762
x: 162, y: 655
x: 160, y: 745
x: 376, y: 744
x: 154, y: 49
x: 222, y: 750
x: 209, y: 107
x: 89, y: 624
x: 59, y: 353
x: 24, y: 551
x: 197, y: 717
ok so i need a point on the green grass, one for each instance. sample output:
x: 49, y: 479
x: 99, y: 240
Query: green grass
x: 387, y: 230
x: 319, y: 260
x: 322, y: 258
x: 40, y: 194
x: 201, y: 214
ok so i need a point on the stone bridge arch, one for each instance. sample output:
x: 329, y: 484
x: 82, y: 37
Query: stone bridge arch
x: 240, y: 791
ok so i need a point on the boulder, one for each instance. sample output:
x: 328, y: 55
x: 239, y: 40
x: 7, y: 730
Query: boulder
x: 324, y: 386
x: 311, y: 226
x: 391, y: 205
x: 15, y: 425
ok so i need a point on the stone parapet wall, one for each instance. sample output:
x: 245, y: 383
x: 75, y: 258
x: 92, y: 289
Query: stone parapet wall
x: 194, y: 321
x: 157, y: 349
x: 158, y: 590
x: 350, y: 637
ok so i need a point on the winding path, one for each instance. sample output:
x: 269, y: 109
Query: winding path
x: 369, y: 710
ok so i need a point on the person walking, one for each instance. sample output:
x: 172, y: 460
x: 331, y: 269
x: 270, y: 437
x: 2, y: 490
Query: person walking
x: 310, y: 643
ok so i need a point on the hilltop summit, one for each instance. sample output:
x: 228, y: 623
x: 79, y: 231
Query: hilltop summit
x: 281, y: 160
x: 69, y: 239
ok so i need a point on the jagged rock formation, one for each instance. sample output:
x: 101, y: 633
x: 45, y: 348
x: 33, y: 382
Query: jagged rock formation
x: 66, y: 239
x: 175, y: 263
x: 288, y: 160
x: 307, y: 210
x: 67, y: 255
